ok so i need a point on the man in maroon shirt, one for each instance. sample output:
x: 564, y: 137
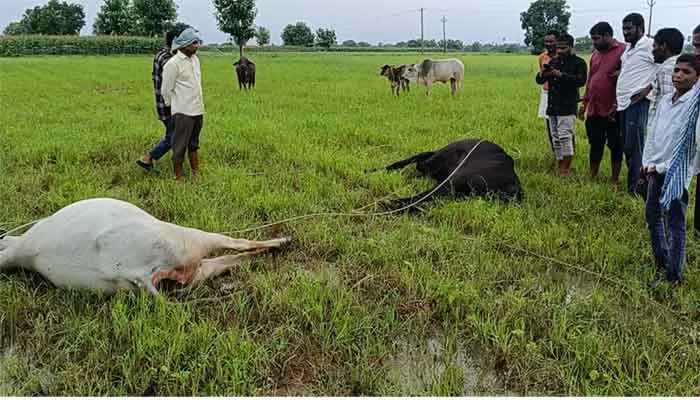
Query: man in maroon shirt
x: 599, y: 105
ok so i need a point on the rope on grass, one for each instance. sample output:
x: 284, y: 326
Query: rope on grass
x: 356, y: 214
x: 18, y: 228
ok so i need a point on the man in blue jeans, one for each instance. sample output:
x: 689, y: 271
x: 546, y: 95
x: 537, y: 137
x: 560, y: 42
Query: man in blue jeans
x: 636, y: 73
x: 164, y: 112
x: 670, y: 160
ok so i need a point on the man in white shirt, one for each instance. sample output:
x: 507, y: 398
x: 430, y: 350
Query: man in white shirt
x: 182, y: 91
x: 670, y: 160
x: 636, y: 73
x: 668, y: 45
x: 695, y: 41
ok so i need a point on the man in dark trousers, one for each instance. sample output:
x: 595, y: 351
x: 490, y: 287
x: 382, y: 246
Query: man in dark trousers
x: 696, y: 212
x: 565, y: 73
x: 163, y: 111
x: 599, y: 105
x: 636, y: 73
x: 182, y: 91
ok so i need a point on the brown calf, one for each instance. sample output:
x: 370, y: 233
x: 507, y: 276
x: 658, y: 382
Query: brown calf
x: 395, y: 77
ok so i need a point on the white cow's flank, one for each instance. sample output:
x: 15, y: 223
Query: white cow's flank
x: 107, y: 244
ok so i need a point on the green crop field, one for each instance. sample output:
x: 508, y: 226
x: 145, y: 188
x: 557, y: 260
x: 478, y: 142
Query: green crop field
x: 467, y: 297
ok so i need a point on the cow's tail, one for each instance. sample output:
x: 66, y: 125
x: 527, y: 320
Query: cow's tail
x: 413, y: 159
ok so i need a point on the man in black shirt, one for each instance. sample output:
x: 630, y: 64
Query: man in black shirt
x: 566, y: 73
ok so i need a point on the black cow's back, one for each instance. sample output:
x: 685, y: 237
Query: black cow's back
x: 488, y: 169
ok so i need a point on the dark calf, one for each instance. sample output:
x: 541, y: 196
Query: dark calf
x: 489, y: 171
x: 395, y: 77
x: 245, y: 70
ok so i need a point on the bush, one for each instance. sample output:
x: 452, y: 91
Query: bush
x: 14, y: 46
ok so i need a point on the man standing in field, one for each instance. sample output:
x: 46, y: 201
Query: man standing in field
x: 695, y: 40
x: 182, y: 91
x: 599, y: 105
x: 636, y: 73
x: 164, y: 112
x: 670, y: 160
x: 667, y: 46
x: 565, y: 73
x: 550, y: 51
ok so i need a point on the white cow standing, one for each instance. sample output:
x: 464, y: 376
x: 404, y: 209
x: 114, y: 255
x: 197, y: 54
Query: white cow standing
x: 449, y: 70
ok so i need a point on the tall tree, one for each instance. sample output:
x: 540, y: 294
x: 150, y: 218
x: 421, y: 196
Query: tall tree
x: 115, y: 18
x: 154, y: 17
x: 262, y: 36
x: 299, y: 34
x: 540, y: 17
x: 325, y: 37
x: 236, y: 17
x: 54, y: 18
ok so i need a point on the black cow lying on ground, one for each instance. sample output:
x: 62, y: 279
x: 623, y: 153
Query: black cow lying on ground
x: 395, y: 77
x: 245, y: 70
x: 489, y: 171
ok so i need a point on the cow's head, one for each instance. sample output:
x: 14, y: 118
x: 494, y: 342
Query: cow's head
x: 244, y: 62
x: 411, y: 71
x: 385, y: 70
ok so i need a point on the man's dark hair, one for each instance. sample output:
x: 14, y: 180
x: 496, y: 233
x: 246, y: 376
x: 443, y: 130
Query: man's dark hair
x: 691, y: 59
x: 635, y: 19
x: 696, y: 30
x: 552, y: 32
x: 566, y: 38
x: 672, y: 38
x: 602, y: 29
x: 174, y: 32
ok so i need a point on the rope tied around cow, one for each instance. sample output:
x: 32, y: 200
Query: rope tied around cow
x: 356, y: 214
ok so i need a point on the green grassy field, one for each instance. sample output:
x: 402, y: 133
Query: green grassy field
x: 469, y: 297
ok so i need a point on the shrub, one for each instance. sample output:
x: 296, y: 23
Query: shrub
x: 14, y: 46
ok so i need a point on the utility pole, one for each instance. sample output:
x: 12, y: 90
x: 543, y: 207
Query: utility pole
x: 422, y: 49
x: 444, y: 36
x: 651, y: 4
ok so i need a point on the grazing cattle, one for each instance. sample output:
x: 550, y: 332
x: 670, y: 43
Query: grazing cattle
x: 450, y: 70
x: 489, y: 170
x: 245, y: 70
x: 395, y: 77
x: 106, y: 244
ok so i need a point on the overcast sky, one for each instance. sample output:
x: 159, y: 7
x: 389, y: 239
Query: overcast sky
x: 398, y: 20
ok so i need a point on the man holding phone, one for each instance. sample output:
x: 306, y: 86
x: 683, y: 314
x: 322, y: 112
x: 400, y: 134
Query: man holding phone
x: 636, y: 73
x: 565, y: 74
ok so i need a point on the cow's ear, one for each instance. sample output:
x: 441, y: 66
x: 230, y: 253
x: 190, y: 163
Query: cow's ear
x: 237, y: 62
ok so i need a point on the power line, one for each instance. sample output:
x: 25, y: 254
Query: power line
x: 575, y: 12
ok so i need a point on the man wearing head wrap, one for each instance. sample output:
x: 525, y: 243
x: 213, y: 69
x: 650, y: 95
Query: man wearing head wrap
x: 182, y: 91
x: 163, y: 111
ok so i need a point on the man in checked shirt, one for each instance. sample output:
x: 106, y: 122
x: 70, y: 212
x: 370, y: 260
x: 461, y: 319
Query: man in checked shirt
x: 146, y: 162
x: 667, y: 46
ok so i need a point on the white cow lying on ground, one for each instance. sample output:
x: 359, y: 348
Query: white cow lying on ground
x: 107, y: 245
x: 450, y: 70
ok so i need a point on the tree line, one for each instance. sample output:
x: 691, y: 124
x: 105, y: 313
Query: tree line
x: 236, y: 18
